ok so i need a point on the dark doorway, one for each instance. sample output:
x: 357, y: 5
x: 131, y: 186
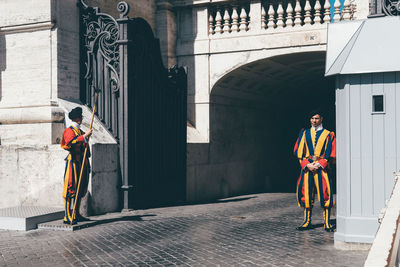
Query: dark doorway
x: 256, y: 114
x: 140, y: 102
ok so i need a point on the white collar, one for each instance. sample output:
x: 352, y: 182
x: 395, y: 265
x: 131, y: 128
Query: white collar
x: 319, y: 128
x: 76, y: 125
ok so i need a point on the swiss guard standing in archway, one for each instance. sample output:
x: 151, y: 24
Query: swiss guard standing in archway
x: 315, y: 148
x: 75, y: 140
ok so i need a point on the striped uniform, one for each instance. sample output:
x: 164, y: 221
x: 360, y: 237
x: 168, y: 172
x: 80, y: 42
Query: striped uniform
x: 315, y: 146
x: 74, y: 142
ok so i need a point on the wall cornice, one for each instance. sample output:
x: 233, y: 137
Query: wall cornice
x: 28, y: 27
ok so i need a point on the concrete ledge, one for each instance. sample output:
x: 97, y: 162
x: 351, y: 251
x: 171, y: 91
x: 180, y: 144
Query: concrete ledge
x: 341, y: 245
x: 27, y: 218
x: 356, y: 229
x: 384, y: 250
x: 59, y: 225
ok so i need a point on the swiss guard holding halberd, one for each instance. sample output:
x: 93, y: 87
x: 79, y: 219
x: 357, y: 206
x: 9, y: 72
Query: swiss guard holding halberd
x: 314, y: 148
x: 75, y: 141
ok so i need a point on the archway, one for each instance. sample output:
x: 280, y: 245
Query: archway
x: 256, y: 112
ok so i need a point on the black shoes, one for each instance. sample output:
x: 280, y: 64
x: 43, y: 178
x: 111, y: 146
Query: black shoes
x: 303, y: 228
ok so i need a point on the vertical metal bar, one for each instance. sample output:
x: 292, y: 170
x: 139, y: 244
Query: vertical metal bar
x: 123, y: 116
x: 107, y: 95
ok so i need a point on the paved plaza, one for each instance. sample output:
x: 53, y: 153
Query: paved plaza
x: 252, y: 230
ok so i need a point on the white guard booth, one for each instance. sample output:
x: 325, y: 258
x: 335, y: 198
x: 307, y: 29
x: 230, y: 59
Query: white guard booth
x: 364, y: 56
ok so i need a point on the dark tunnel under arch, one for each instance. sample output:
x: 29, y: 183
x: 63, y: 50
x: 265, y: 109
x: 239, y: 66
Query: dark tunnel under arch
x: 256, y: 112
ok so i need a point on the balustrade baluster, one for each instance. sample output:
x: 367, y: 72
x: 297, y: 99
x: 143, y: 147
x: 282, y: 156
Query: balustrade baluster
x: 218, y: 22
x: 297, y: 9
x: 289, y: 18
x: 317, y: 15
x: 280, y: 23
x: 211, y: 24
x: 227, y: 18
x: 307, y: 15
x: 263, y: 18
x: 271, y: 17
x: 327, y: 12
x: 243, y: 20
x: 235, y: 20
x: 346, y: 10
x: 353, y: 9
x: 336, y: 16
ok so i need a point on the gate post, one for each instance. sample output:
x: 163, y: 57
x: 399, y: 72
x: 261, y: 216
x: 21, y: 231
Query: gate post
x: 123, y: 123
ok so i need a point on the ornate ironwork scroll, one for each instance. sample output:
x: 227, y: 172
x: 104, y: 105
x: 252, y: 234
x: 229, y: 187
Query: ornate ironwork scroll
x: 141, y: 103
x: 100, y: 58
x: 391, y: 8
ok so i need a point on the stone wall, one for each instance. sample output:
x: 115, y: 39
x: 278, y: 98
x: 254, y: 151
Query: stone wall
x: 39, y: 85
x: 233, y: 162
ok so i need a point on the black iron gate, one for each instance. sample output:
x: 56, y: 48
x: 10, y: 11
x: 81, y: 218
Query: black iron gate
x: 141, y: 103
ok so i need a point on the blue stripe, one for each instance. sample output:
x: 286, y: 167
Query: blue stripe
x: 299, y: 189
x: 321, y: 189
x: 310, y: 187
x: 331, y: 194
x: 66, y: 166
x: 309, y: 142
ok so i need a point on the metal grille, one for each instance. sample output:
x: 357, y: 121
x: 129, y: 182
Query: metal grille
x: 140, y: 102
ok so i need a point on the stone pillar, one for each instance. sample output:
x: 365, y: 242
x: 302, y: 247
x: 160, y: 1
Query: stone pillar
x: 166, y: 32
x: 39, y: 62
x: 255, y: 16
x: 29, y: 113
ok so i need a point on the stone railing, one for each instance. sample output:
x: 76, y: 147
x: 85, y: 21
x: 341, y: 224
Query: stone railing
x: 385, y: 248
x: 239, y: 17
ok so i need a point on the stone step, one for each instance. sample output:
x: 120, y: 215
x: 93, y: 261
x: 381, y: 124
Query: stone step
x: 61, y: 226
x: 27, y: 218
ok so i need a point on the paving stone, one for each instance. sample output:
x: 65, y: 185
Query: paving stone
x: 254, y: 230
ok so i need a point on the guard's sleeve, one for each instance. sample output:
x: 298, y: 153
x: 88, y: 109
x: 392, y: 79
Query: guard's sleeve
x: 69, y: 139
x: 298, y: 150
x: 330, y: 150
x: 297, y: 144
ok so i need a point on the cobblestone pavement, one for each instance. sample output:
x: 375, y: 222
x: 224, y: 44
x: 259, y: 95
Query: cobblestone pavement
x: 252, y: 230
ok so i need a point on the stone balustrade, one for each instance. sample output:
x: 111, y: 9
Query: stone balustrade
x: 239, y: 17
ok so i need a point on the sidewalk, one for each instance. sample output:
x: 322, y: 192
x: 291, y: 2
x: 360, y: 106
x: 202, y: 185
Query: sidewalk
x: 252, y: 230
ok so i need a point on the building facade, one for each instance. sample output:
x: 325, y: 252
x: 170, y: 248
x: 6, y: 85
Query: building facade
x: 254, y: 70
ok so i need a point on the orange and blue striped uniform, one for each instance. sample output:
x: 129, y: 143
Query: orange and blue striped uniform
x: 315, y: 146
x: 74, y: 142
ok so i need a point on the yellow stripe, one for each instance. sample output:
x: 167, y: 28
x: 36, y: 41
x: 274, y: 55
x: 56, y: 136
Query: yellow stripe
x: 313, y: 136
x: 75, y: 177
x: 66, y: 181
x: 321, y: 142
x: 301, y: 147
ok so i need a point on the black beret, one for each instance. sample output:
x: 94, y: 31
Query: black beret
x: 75, y: 113
x: 315, y: 112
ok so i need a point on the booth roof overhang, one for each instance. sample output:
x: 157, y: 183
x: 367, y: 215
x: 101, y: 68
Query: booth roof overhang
x: 363, y: 46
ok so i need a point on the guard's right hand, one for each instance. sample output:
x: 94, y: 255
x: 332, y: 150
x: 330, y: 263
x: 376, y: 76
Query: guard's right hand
x: 312, y: 167
x: 88, y: 133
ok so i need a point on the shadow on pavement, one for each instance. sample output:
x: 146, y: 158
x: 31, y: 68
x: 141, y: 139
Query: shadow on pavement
x: 123, y: 218
x: 216, y: 201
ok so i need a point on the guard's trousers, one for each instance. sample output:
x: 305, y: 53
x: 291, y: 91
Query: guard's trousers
x: 309, y: 183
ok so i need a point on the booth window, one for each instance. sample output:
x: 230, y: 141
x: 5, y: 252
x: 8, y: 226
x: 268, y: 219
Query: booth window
x: 378, y: 104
